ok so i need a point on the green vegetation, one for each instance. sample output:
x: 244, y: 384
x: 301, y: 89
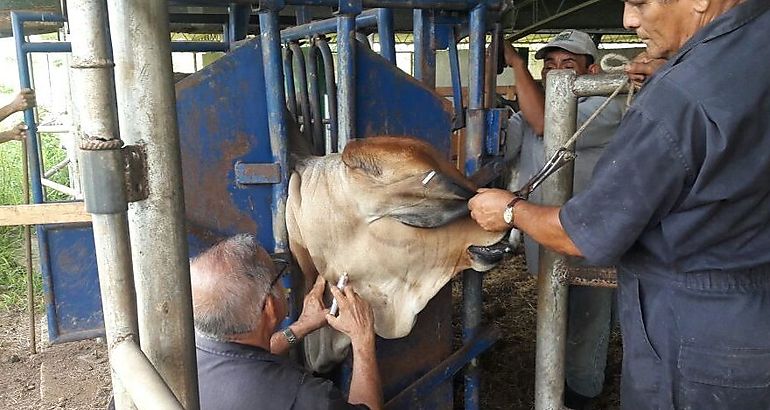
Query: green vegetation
x: 13, y: 280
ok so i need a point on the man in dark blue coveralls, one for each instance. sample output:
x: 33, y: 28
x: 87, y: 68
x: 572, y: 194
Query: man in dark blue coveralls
x: 680, y: 202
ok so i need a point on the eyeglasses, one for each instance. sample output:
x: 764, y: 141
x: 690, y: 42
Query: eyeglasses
x: 282, y: 265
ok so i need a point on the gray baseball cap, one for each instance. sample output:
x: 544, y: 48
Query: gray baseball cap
x: 574, y: 41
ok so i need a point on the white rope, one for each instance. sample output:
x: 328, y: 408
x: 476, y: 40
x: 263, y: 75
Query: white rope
x: 613, y: 63
x: 594, y: 115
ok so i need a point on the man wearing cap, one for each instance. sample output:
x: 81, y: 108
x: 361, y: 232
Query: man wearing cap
x: 589, y: 308
x: 680, y: 203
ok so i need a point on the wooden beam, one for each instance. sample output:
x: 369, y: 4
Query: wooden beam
x: 41, y: 214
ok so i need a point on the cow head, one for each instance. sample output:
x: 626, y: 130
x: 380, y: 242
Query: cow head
x: 392, y: 213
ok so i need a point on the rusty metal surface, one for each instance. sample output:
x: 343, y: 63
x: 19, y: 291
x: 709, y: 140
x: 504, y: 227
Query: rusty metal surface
x: 254, y: 174
x: 223, y: 121
x: 69, y: 269
x: 388, y: 101
x: 603, y: 277
x: 135, y: 161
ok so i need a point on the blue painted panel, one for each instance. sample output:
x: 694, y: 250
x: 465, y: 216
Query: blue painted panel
x: 389, y: 101
x: 223, y: 120
x: 68, y: 262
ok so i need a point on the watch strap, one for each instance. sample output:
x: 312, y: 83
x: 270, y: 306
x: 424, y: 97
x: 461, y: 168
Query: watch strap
x: 291, y: 338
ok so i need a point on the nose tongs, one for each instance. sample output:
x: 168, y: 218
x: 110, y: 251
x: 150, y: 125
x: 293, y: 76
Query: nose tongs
x: 560, y: 158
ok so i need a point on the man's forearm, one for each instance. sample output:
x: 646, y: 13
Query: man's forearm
x: 543, y: 225
x: 278, y: 343
x: 6, y: 111
x: 531, y: 98
x: 365, y: 385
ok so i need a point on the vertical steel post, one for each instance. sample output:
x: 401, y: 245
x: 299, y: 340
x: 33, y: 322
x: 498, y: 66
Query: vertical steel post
x: 386, y: 34
x: 103, y: 176
x: 346, y: 74
x: 147, y: 109
x: 457, y: 86
x: 552, y: 280
x: 424, y: 53
x: 270, y: 38
x: 474, y: 143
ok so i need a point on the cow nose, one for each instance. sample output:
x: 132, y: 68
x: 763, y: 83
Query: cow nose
x: 491, y: 254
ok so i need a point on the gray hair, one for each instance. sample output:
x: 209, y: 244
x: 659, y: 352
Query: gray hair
x: 230, y: 284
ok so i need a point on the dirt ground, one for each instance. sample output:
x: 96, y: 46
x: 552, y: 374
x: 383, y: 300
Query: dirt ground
x: 64, y: 376
x: 76, y: 375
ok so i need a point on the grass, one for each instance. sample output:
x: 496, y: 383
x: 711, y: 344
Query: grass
x: 13, y: 280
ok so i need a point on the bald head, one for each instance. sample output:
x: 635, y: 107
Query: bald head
x: 230, y: 282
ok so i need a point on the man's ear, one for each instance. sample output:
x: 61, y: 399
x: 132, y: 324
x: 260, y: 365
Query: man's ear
x: 271, y: 314
x: 594, y: 69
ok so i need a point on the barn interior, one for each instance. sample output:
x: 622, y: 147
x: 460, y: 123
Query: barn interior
x: 237, y: 64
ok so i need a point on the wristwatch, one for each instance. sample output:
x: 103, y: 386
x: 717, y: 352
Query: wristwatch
x: 291, y: 338
x: 508, y: 213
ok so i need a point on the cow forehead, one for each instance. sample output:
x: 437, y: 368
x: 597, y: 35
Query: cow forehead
x: 387, y: 154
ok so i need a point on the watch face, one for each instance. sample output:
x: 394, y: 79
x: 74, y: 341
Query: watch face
x: 508, y: 215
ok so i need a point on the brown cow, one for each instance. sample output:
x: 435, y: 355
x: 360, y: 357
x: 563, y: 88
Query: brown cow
x: 392, y: 213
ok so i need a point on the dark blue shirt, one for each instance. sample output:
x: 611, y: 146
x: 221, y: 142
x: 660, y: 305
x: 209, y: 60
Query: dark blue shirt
x: 685, y: 184
x: 233, y: 376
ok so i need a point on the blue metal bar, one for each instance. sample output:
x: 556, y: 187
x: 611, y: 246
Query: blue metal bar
x: 176, y: 46
x: 331, y: 93
x: 302, y: 15
x: 276, y: 118
x: 424, y: 55
x: 321, y: 27
x: 457, y: 86
x: 288, y: 77
x: 346, y: 73
x: 33, y: 146
x: 301, y: 81
x: 386, y: 34
x: 406, y: 4
x: 237, y: 21
x: 317, y: 136
x: 474, y: 140
x: 445, y: 370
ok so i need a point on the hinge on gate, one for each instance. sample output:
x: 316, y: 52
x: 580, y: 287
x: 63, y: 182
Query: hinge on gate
x: 135, y: 169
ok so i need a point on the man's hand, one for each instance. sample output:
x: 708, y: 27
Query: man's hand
x: 356, y: 318
x: 17, y: 133
x: 487, y: 208
x: 24, y: 100
x: 313, y: 314
x: 512, y: 58
x: 642, y: 67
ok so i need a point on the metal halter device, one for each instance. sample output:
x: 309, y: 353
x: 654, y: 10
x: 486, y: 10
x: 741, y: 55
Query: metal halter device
x: 561, y: 157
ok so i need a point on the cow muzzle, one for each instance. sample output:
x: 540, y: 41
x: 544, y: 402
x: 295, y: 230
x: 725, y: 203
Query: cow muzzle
x: 484, y: 258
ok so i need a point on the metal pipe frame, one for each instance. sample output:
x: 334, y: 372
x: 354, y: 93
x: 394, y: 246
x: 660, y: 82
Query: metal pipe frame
x: 300, y: 80
x: 332, y: 143
x: 366, y: 19
x: 474, y: 145
x: 552, y: 280
x: 346, y: 74
x: 386, y: 34
x: 276, y: 117
x: 424, y: 52
x: 140, y: 378
x: 407, y: 4
x: 562, y: 89
x: 104, y: 179
x: 457, y: 86
x: 410, y: 397
x: 318, y: 136
x: 288, y: 76
x: 147, y: 116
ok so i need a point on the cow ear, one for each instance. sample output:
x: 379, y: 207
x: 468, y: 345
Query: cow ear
x: 441, y: 200
x: 355, y: 156
x: 431, y: 214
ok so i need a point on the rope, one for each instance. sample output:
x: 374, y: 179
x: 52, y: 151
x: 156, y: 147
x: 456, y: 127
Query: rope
x: 594, y: 115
